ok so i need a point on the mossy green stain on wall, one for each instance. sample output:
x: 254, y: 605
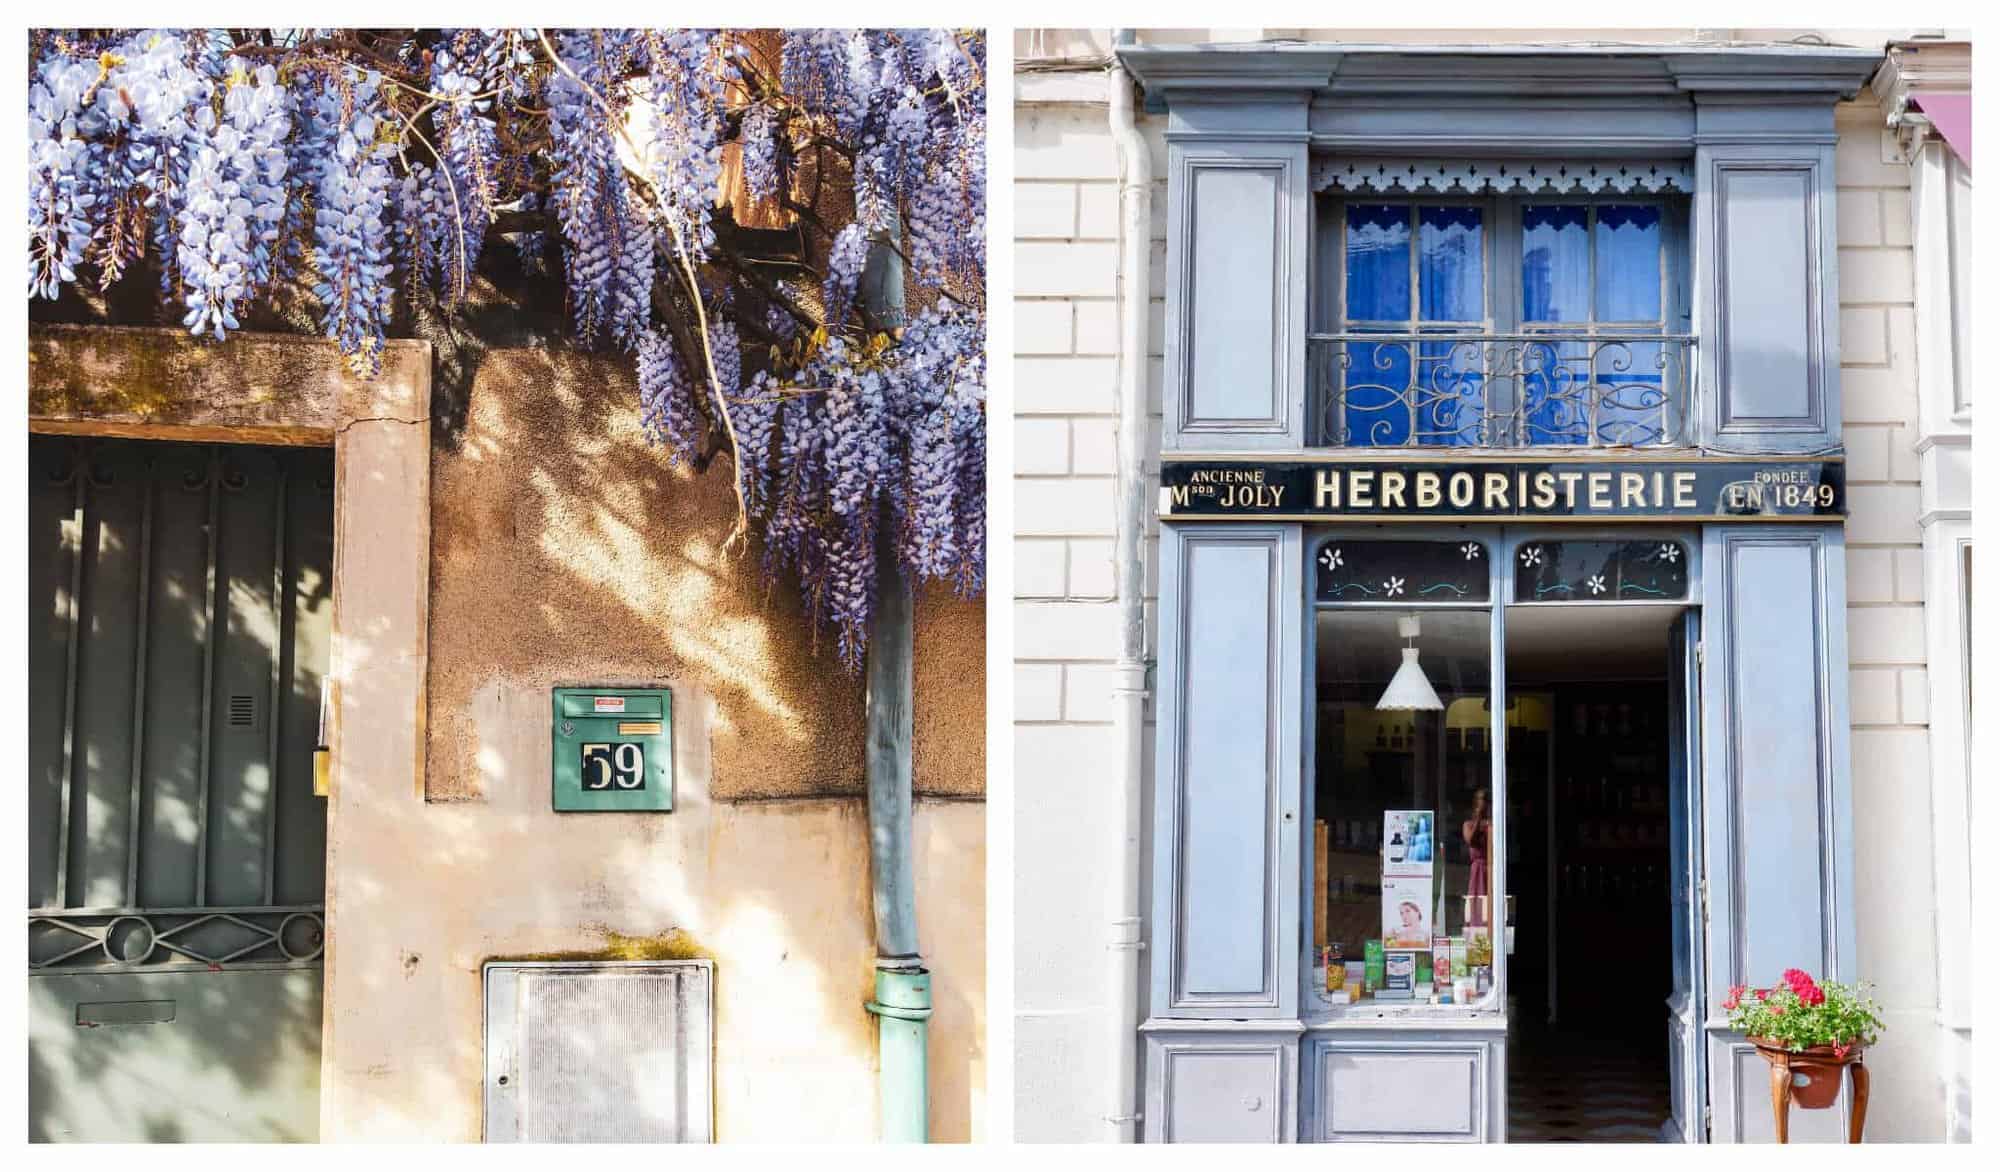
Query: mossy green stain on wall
x: 672, y: 944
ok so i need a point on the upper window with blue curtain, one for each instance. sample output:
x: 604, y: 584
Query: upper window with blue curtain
x: 1412, y: 269
x: 1504, y: 322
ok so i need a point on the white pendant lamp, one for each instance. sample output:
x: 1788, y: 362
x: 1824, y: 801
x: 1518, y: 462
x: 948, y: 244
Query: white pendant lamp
x: 1409, y: 690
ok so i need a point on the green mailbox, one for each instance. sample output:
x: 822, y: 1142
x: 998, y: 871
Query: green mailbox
x: 614, y: 749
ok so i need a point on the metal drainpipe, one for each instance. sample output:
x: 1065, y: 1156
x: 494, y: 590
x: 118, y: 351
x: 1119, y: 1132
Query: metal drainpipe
x: 1128, y: 688
x: 902, y: 1001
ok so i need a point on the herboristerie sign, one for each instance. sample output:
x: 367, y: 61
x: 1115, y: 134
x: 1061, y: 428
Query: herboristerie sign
x: 1711, y: 488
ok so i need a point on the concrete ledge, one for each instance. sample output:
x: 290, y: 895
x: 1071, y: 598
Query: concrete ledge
x: 146, y: 383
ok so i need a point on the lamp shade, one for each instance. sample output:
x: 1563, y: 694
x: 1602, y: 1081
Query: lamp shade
x: 1408, y: 689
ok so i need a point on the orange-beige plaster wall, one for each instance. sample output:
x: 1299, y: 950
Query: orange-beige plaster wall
x: 565, y: 550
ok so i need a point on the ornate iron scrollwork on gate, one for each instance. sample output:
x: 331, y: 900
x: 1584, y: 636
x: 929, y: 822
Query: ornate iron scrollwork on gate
x: 179, y: 614
x: 154, y: 938
x: 1502, y: 390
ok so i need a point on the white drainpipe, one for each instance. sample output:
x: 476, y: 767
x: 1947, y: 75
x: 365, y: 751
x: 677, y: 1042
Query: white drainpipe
x: 1128, y: 688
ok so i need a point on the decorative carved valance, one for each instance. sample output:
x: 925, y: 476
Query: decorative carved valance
x: 1501, y: 176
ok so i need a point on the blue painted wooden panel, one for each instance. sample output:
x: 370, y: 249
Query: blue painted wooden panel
x: 1685, y: 1032
x: 1222, y: 1088
x: 1767, y: 334
x: 1483, y: 125
x: 1780, y: 801
x: 1225, y: 807
x: 1225, y: 854
x: 1784, y: 121
x: 1236, y: 369
x: 1238, y: 215
x: 1402, y: 1086
x: 1767, y: 307
x: 1777, y: 830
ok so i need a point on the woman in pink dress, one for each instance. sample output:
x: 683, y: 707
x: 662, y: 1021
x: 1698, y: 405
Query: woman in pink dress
x: 1478, y: 832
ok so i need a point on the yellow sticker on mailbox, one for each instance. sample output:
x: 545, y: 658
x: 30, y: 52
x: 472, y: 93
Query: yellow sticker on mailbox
x: 638, y: 728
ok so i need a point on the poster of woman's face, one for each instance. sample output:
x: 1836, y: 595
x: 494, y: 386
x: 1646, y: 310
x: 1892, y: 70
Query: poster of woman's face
x: 1406, y: 912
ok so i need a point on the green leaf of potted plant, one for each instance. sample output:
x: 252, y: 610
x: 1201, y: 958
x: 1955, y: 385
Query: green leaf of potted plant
x: 1811, y: 1028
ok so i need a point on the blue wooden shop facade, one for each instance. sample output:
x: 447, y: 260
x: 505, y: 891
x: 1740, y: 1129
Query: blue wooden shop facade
x: 1296, y: 172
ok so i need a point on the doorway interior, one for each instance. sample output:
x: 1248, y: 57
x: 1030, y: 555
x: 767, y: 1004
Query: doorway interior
x: 180, y: 615
x: 1592, y: 774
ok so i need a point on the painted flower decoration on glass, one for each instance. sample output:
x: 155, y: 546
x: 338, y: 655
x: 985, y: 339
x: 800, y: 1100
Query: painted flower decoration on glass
x: 1596, y: 583
x: 1471, y: 550
x: 1531, y: 556
x: 1393, y: 587
x: 1330, y: 558
x: 1670, y: 551
x: 360, y: 177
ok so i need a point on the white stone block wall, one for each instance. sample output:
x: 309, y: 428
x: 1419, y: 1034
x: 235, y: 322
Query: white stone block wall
x: 1065, y: 372
x: 1887, y: 685
x: 1065, y: 595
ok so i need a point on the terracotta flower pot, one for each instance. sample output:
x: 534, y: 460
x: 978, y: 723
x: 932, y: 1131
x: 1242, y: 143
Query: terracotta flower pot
x: 1815, y: 1071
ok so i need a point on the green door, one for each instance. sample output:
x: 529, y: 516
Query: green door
x: 179, y: 615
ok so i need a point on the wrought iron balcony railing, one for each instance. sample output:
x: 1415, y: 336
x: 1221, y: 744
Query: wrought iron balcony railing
x: 1541, y: 389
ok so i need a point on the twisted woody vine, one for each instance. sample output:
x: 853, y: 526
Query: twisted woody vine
x: 235, y: 166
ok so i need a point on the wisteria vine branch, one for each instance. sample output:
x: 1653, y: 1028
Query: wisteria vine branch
x: 245, y: 167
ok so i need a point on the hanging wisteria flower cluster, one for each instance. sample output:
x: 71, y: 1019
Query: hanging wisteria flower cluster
x: 886, y: 454
x: 371, y: 169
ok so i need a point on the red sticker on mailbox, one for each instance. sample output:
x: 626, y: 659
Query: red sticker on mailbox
x: 608, y: 703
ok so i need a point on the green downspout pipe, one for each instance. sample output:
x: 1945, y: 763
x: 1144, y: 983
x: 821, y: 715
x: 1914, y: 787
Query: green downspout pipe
x: 902, y: 1001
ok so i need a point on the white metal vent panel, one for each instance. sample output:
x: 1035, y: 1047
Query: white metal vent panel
x: 600, y: 1051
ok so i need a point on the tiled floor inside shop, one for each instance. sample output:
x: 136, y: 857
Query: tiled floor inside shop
x: 1566, y: 1088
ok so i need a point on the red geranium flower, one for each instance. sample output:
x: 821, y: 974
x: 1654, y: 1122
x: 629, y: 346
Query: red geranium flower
x: 1803, y: 987
x: 1735, y: 997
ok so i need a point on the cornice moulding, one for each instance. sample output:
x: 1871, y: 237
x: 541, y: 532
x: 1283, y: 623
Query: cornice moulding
x: 1914, y: 68
x: 1826, y: 71
x: 1765, y: 72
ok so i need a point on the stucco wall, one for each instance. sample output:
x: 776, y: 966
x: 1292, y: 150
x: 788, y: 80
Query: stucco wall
x: 776, y: 893
x: 564, y: 550
x: 1066, y: 256
x: 561, y: 549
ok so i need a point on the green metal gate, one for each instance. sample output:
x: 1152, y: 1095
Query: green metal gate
x: 179, y: 614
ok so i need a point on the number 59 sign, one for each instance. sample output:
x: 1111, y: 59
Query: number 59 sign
x: 613, y: 749
x: 619, y: 766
